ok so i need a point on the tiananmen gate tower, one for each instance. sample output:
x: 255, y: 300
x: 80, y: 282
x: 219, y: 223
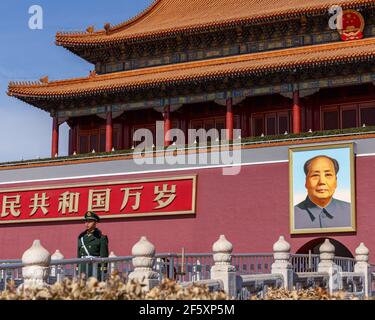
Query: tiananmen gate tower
x: 296, y: 87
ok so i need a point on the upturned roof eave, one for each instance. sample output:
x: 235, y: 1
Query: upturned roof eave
x: 258, y: 64
x: 101, y: 37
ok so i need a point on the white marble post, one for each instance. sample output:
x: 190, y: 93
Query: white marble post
x: 326, y: 264
x: 143, y: 261
x: 197, y: 271
x: 57, y: 270
x: 37, y: 262
x: 282, y: 265
x: 222, y: 269
x: 112, y: 265
x: 362, y: 266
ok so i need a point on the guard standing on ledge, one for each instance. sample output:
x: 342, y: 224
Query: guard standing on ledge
x: 92, y: 244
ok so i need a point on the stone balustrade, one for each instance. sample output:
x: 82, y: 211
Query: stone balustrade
x: 36, y: 261
x: 112, y: 265
x: 222, y: 269
x: 143, y: 261
x: 57, y: 270
x: 37, y: 264
x: 282, y: 265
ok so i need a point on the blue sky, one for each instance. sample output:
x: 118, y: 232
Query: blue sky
x: 28, y: 55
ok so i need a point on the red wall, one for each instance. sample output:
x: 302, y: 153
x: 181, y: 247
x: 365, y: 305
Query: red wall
x: 251, y: 209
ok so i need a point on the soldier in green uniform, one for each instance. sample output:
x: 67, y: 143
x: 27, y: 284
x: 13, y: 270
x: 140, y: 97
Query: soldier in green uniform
x: 92, y: 243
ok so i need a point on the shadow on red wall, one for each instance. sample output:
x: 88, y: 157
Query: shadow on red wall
x: 313, y: 245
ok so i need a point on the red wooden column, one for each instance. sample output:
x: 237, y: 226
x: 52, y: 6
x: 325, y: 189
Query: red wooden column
x: 126, y: 133
x: 229, y: 119
x: 74, y: 139
x: 70, y: 141
x: 296, y: 112
x: 167, y: 125
x: 109, y: 132
x: 55, y: 137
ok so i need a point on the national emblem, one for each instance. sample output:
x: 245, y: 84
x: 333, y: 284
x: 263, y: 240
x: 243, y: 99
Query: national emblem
x: 353, y: 25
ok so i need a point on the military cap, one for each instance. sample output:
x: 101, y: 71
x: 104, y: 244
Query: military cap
x: 89, y: 215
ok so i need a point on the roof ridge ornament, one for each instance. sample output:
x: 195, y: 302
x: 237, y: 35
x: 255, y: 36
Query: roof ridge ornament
x: 107, y: 28
x: 90, y: 29
x: 92, y: 74
x: 44, y: 80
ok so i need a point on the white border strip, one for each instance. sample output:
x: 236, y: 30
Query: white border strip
x: 365, y: 155
x: 160, y: 170
x: 145, y: 172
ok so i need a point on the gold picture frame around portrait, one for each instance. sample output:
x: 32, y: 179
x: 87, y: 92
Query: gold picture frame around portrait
x: 318, y: 204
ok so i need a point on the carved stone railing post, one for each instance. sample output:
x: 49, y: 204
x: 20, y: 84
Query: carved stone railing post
x: 143, y: 261
x: 223, y: 269
x: 326, y: 264
x: 362, y: 266
x: 57, y: 270
x: 37, y: 262
x: 112, y: 265
x: 282, y: 265
x: 197, y: 268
